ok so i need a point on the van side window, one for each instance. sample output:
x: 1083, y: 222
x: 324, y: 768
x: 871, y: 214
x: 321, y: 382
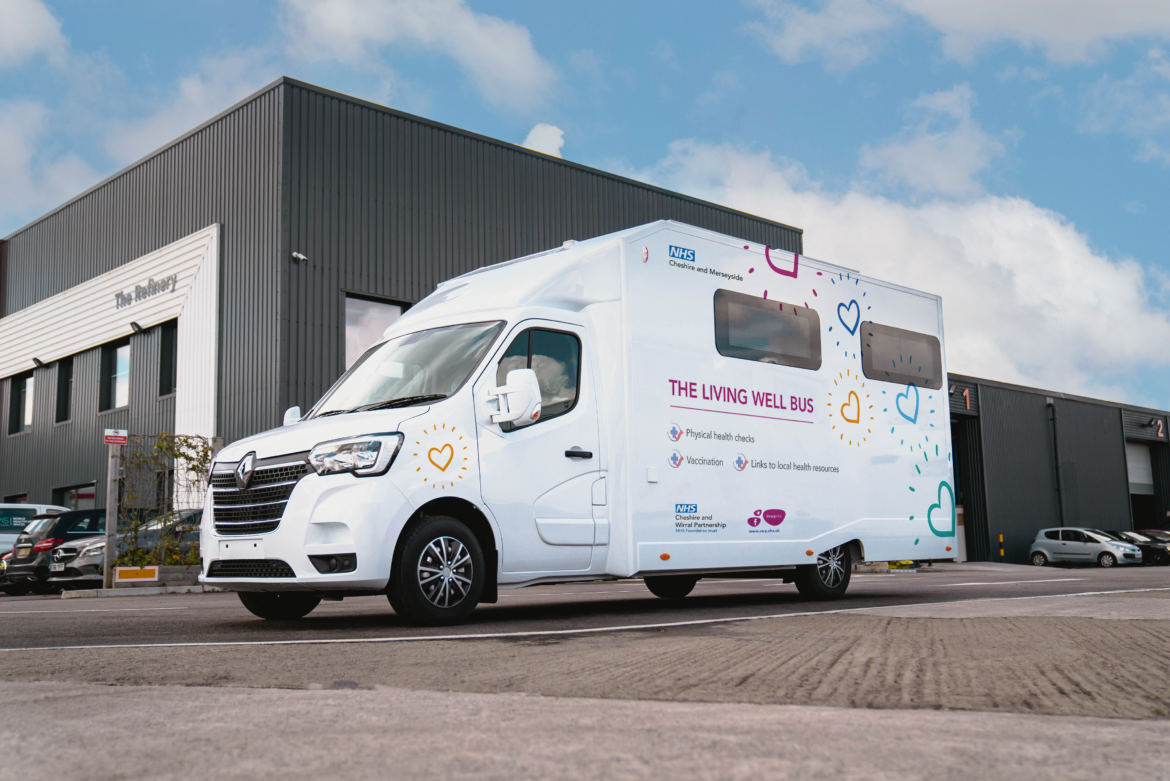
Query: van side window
x: 555, y: 356
x: 900, y: 356
x: 759, y: 329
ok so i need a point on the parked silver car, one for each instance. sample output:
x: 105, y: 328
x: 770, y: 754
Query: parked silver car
x: 1083, y: 545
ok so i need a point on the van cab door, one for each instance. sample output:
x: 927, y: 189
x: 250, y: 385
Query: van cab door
x: 538, y: 480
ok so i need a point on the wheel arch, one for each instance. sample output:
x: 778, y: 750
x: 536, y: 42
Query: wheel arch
x: 467, y: 513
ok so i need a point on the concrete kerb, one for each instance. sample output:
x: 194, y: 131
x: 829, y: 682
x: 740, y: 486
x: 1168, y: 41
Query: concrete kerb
x: 139, y: 591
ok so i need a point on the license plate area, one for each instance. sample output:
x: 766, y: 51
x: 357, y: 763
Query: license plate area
x: 23, y: 551
x: 56, y: 566
x: 241, y: 549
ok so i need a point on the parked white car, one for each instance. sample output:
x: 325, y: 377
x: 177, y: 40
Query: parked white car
x: 664, y: 402
x: 1083, y: 545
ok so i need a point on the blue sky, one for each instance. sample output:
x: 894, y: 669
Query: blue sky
x: 1009, y: 155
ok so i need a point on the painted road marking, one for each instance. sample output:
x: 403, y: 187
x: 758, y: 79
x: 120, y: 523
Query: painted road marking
x: 95, y: 610
x: 1009, y: 582
x: 562, y: 632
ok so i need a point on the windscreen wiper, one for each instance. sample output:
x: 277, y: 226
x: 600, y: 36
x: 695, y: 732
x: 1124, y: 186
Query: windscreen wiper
x: 333, y: 412
x: 405, y: 401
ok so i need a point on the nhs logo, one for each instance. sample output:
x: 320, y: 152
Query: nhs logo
x: 686, y: 508
x: 682, y: 253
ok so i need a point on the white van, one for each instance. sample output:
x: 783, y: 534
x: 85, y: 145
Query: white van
x: 15, y: 516
x: 665, y: 403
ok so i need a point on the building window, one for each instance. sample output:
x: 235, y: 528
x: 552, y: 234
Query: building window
x: 168, y: 358
x: 365, y: 320
x: 64, y: 389
x: 757, y: 329
x: 20, y: 407
x: 897, y: 355
x: 115, y: 377
x: 76, y: 497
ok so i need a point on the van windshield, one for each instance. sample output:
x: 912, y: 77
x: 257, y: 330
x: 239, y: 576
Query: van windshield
x: 411, y: 369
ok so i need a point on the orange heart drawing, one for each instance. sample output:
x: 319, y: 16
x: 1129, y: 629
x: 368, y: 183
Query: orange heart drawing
x: 854, y: 406
x: 450, y: 451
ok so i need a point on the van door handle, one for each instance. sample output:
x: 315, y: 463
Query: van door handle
x: 578, y: 453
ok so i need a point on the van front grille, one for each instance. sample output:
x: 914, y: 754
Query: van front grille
x: 258, y: 508
x: 250, y: 568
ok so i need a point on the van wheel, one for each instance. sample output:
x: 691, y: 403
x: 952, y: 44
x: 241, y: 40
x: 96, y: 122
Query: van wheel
x: 670, y: 586
x: 1039, y: 559
x: 1106, y: 560
x: 440, y: 575
x: 287, y: 606
x: 828, y: 578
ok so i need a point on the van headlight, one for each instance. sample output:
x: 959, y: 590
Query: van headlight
x: 364, y: 456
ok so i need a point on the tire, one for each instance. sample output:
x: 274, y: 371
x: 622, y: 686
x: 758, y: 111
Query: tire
x: 670, y: 586
x: 828, y: 579
x: 1106, y: 560
x: 280, y: 606
x: 1162, y: 560
x: 1039, y: 559
x: 439, y: 575
x: 16, y: 591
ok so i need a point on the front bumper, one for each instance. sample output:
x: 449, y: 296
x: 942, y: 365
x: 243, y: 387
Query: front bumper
x: 330, y: 515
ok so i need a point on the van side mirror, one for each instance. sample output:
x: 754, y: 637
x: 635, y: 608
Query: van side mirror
x: 292, y: 415
x: 518, y: 399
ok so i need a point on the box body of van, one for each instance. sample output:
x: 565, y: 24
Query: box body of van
x: 703, y: 405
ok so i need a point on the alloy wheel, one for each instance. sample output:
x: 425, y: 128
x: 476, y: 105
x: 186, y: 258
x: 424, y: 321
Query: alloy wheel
x: 831, y: 567
x: 445, y: 572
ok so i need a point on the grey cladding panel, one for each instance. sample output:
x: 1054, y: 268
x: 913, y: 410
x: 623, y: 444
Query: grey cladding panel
x: 1145, y: 426
x: 1092, y: 461
x: 1019, y: 470
x: 965, y: 398
x: 389, y: 206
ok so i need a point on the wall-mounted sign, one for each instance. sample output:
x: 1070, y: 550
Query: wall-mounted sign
x: 149, y: 288
x: 117, y: 436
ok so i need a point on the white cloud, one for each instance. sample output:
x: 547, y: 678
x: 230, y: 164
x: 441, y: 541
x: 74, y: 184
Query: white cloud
x: 34, y: 179
x: 496, y: 55
x: 545, y: 138
x: 1066, y: 30
x: 220, y: 82
x: 944, y: 153
x: 28, y: 28
x: 842, y: 32
x: 1026, y: 299
x: 1138, y: 105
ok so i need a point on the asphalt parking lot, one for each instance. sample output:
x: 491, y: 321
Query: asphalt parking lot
x: 968, y: 669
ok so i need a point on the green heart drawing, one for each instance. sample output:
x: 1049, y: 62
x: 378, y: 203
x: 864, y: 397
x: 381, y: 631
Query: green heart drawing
x: 938, y: 506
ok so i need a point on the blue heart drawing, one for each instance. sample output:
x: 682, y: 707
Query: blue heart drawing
x: 906, y: 395
x: 938, y: 506
x: 856, y: 316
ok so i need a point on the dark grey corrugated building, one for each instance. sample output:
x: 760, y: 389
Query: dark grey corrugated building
x: 1027, y: 459
x: 215, y: 283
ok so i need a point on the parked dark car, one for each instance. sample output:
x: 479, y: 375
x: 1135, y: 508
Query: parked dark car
x: 78, y: 563
x: 1159, y: 535
x: 1153, y: 551
x: 5, y: 586
x: 29, y: 565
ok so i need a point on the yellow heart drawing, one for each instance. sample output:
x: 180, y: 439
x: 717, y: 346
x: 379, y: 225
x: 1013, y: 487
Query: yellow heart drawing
x: 854, y: 406
x: 450, y: 451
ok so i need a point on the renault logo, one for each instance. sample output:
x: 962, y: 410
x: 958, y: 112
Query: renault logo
x: 244, y: 470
